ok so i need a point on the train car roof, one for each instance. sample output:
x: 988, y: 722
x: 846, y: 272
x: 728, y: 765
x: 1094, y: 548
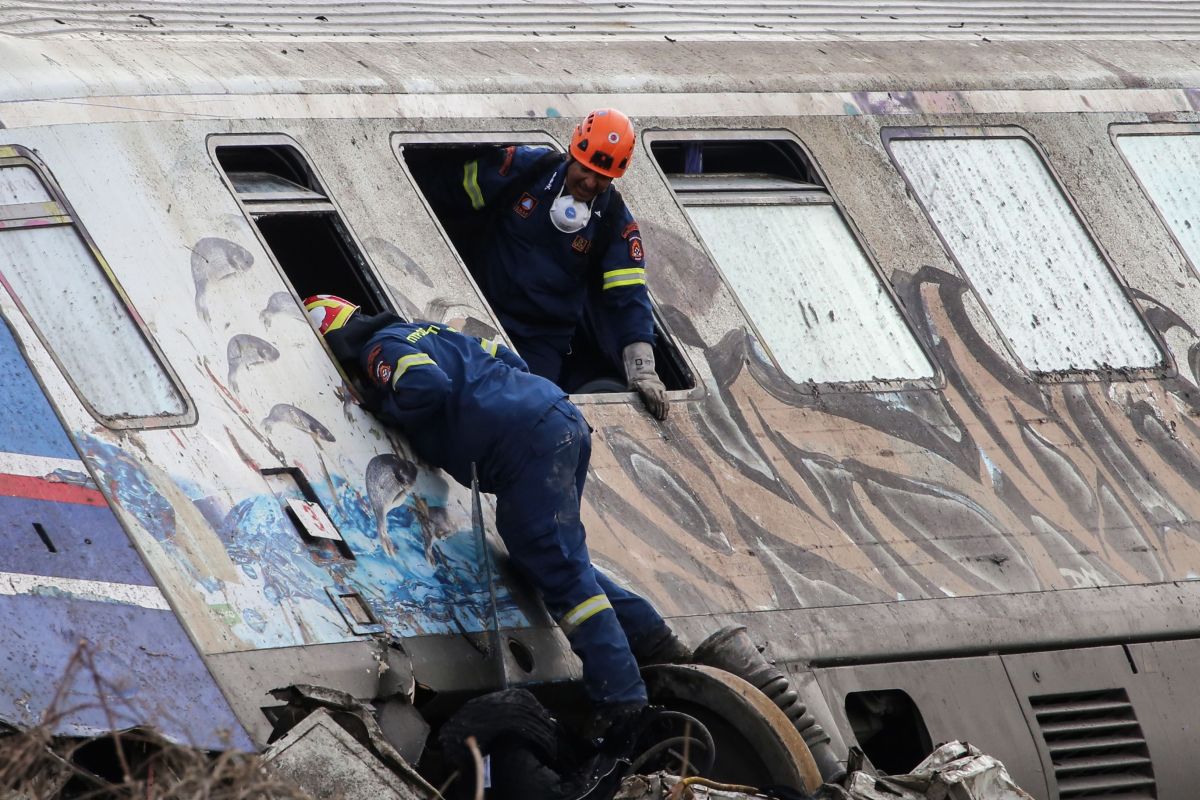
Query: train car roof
x: 610, y: 20
x: 116, y: 48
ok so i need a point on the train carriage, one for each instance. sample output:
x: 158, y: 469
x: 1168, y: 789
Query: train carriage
x: 925, y: 282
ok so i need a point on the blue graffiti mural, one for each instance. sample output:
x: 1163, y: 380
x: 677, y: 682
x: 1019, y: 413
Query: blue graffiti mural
x: 415, y: 561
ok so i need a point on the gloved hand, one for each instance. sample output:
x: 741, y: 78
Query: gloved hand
x: 639, y: 371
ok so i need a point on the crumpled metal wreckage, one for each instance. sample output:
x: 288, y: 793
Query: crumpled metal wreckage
x: 954, y: 771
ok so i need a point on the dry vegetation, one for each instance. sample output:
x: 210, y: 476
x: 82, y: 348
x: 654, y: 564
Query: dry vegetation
x: 124, y: 765
x: 129, y: 765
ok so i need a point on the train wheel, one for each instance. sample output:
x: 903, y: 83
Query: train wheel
x: 756, y: 744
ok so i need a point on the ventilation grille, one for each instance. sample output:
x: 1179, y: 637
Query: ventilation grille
x: 1096, y: 745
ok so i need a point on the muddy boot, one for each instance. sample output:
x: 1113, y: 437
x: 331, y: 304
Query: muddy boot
x: 666, y: 649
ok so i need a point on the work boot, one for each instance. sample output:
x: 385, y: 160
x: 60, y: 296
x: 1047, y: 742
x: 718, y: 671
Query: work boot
x: 666, y: 649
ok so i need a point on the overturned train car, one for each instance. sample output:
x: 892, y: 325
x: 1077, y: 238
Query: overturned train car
x: 929, y: 307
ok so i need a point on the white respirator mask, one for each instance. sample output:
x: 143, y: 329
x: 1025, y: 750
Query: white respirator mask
x: 568, y: 214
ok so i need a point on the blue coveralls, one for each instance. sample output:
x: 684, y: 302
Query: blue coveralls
x: 534, y: 275
x: 462, y: 399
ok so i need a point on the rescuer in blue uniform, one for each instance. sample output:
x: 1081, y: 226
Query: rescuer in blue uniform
x: 463, y: 400
x: 561, y: 226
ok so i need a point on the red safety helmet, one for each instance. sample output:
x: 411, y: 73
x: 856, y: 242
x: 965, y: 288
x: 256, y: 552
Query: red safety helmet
x: 328, y: 311
x: 603, y: 142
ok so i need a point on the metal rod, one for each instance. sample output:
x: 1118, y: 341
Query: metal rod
x: 485, y: 554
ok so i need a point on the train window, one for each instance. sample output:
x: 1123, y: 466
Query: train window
x: 297, y: 219
x: 1168, y: 166
x: 72, y: 300
x: 593, y: 365
x: 1036, y: 269
x: 789, y: 255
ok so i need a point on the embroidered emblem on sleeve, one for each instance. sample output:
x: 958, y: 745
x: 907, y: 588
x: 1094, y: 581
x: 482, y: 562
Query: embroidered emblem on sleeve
x: 525, y: 205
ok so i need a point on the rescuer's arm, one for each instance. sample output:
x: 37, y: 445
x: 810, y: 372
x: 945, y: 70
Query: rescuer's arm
x: 481, y: 180
x: 495, y: 348
x: 414, y: 386
x: 627, y: 302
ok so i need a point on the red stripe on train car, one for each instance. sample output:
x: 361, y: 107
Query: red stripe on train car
x: 54, y: 491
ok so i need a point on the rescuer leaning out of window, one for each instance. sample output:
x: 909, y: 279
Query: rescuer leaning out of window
x: 556, y: 247
x: 461, y: 399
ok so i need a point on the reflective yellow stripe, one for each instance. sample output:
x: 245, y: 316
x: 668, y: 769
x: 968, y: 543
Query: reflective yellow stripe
x: 624, y: 277
x: 583, y: 612
x: 414, y: 360
x: 339, y: 319
x: 471, y: 184
x: 489, y: 346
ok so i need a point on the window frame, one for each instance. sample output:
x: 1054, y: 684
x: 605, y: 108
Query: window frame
x: 14, y: 155
x: 1167, y: 369
x: 936, y: 381
x: 215, y: 141
x: 1116, y: 130
x: 399, y: 139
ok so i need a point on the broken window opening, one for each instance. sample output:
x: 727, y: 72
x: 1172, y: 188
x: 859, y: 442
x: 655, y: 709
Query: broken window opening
x: 299, y: 223
x: 890, y: 729
x: 587, y: 369
x: 818, y: 303
x: 764, y: 157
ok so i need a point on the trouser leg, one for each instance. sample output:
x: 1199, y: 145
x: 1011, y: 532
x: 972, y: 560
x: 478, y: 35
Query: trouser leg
x: 537, y: 515
x: 643, y: 625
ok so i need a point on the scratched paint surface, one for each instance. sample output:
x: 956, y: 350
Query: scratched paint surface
x: 417, y: 567
x: 757, y: 494
x: 89, y: 642
x: 201, y: 502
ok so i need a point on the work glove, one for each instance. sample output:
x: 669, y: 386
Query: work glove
x: 639, y: 371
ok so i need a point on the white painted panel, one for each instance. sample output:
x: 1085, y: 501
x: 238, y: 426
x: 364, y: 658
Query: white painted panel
x: 75, y: 307
x: 131, y: 594
x: 1034, y: 265
x: 811, y: 292
x: 21, y: 185
x: 1168, y: 166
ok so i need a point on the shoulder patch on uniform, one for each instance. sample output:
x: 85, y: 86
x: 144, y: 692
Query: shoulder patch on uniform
x: 525, y: 205
x: 382, y: 374
x: 635, y: 249
x: 630, y: 230
x: 509, y: 153
x: 376, y: 366
x: 581, y: 245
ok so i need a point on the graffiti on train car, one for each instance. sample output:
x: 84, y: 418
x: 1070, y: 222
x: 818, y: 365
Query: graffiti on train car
x: 415, y: 561
x: 995, y: 483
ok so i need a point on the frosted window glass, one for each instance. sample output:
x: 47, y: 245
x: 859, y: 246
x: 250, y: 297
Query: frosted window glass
x: 811, y: 292
x: 1033, y: 263
x: 85, y: 324
x: 1169, y: 167
x: 21, y: 185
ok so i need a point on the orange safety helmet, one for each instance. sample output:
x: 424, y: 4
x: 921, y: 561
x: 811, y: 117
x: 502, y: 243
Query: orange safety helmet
x: 328, y: 311
x: 603, y: 142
